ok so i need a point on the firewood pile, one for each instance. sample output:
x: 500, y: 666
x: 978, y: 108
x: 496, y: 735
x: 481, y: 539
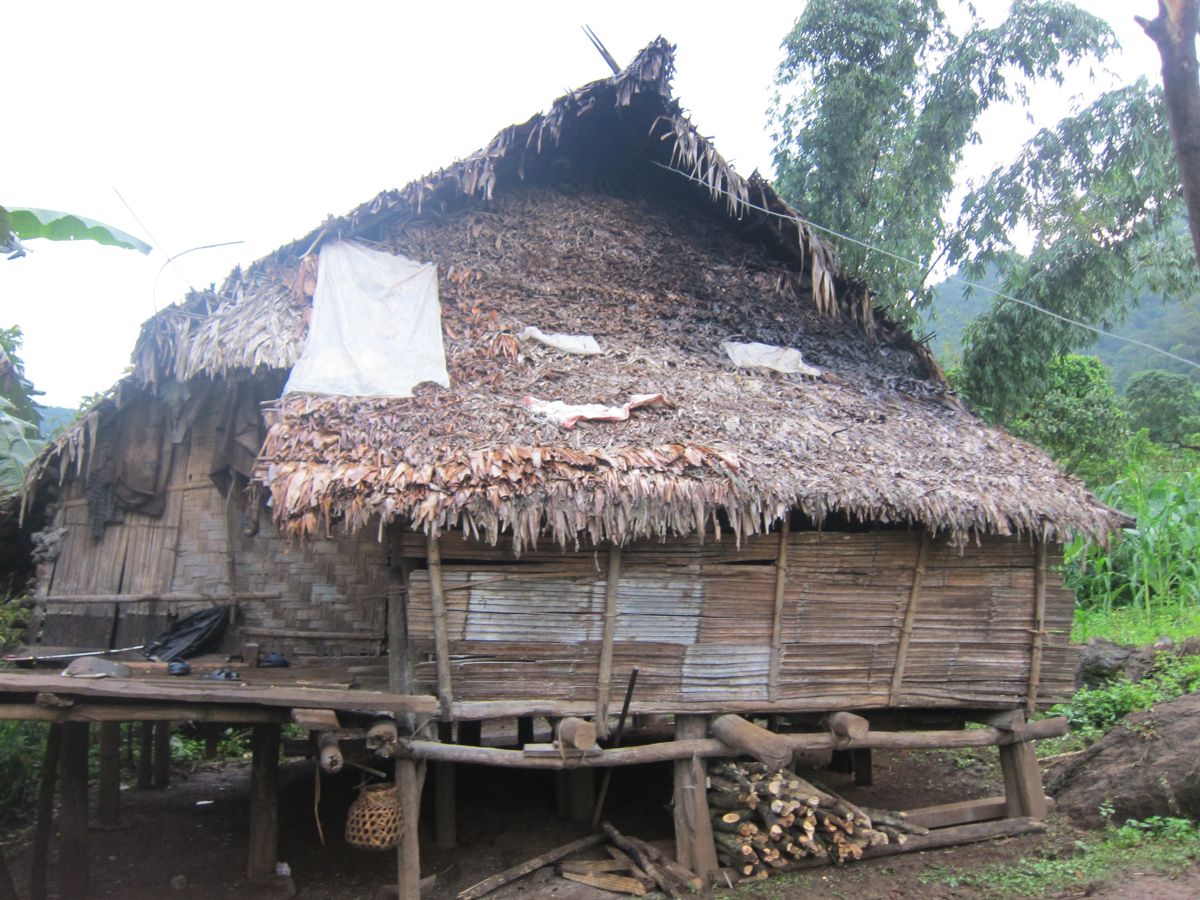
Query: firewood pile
x: 764, y: 821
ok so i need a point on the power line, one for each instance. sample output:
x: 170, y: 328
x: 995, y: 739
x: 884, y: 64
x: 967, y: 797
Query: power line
x: 912, y: 262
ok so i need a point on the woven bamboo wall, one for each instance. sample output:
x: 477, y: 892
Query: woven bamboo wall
x: 329, y: 599
x: 697, y: 621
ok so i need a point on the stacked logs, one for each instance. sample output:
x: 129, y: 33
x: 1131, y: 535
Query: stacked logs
x: 765, y: 820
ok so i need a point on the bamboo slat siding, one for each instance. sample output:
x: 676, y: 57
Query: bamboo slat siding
x: 698, y: 624
x: 333, y: 587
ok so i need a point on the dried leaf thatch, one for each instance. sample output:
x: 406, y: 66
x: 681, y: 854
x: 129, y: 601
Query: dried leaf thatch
x: 570, y: 223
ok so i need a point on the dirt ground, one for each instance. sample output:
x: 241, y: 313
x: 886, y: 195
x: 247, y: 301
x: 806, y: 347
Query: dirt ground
x: 188, y: 841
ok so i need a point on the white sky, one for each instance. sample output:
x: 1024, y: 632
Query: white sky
x: 253, y: 121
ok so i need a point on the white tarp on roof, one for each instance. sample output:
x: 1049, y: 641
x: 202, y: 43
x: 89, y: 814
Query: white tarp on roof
x: 580, y: 344
x: 376, y: 327
x: 781, y: 359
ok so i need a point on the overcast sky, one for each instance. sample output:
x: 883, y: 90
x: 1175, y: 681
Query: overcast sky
x: 253, y: 121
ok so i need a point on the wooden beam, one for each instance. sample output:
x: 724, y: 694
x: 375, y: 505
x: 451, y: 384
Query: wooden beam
x: 604, y: 678
x: 962, y: 813
x: 441, y: 638
x: 672, y: 750
x: 942, y: 837
x: 164, y: 598
x: 263, y: 843
x: 1039, y: 626
x: 694, y: 845
x: 777, y: 615
x: 137, y: 712
x: 910, y: 615
x: 530, y: 865
x: 408, y: 853
x: 216, y: 692
x: 109, y: 800
x: 74, y: 878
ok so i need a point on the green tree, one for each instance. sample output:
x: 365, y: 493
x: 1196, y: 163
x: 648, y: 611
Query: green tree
x: 1166, y: 404
x: 1078, y: 419
x: 875, y: 102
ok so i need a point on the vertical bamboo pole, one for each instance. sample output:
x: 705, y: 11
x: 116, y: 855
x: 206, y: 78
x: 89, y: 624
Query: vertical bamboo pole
x: 910, y: 615
x: 408, y: 853
x: 441, y: 637
x: 263, y: 847
x: 777, y: 617
x: 109, y: 809
x: 1039, y: 626
x: 73, y: 866
x: 604, y: 679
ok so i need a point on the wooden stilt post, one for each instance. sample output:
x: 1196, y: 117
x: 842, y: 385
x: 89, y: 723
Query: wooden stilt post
x: 694, y: 845
x: 861, y: 762
x: 1024, y: 793
x: 145, y: 763
x: 400, y: 674
x: 45, y: 813
x: 130, y: 755
x: 212, y: 739
x: 408, y: 854
x: 444, y: 795
x: 109, y: 808
x: 162, y: 755
x: 604, y: 678
x: 524, y: 730
x: 74, y: 878
x: 7, y: 890
x: 581, y: 794
x: 264, y: 804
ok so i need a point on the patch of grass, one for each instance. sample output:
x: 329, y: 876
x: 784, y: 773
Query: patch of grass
x: 21, y: 746
x: 1135, y: 624
x: 1159, y: 844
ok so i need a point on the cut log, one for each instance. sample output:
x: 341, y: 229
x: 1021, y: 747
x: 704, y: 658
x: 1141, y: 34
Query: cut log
x: 316, y: 719
x: 847, y: 725
x: 382, y: 736
x: 771, y: 749
x: 644, y: 855
x: 607, y: 881
x: 629, y: 865
x: 591, y: 866
x: 576, y: 734
x: 329, y: 752
x: 520, y: 870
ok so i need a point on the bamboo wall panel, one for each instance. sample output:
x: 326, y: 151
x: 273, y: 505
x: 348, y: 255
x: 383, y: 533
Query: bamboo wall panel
x: 704, y: 618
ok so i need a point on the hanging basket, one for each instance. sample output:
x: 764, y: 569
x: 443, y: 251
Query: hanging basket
x: 375, y: 820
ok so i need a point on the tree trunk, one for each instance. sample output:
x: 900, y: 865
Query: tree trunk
x: 1174, y: 32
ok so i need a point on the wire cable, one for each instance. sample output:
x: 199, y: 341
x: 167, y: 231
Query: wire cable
x: 912, y: 262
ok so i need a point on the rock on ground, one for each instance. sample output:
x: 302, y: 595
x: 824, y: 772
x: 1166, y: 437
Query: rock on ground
x: 1149, y: 765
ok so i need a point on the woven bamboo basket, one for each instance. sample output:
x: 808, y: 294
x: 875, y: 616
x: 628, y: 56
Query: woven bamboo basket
x: 375, y: 820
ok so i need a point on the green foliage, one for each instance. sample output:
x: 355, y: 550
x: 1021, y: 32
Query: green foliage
x: 1166, y: 404
x: 18, y: 447
x: 1100, y: 195
x: 21, y: 747
x: 1157, y: 844
x: 1153, y: 570
x: 18, y: 224
x: 875, y: 102
x: 1078, y: 419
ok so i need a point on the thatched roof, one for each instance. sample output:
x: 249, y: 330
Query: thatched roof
x: 569, y: 223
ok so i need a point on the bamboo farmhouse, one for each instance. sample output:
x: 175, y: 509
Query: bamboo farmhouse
x: 672, y: 437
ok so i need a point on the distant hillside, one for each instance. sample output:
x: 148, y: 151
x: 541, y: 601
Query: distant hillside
x: 1174, y: 326
x: 55, y: 419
